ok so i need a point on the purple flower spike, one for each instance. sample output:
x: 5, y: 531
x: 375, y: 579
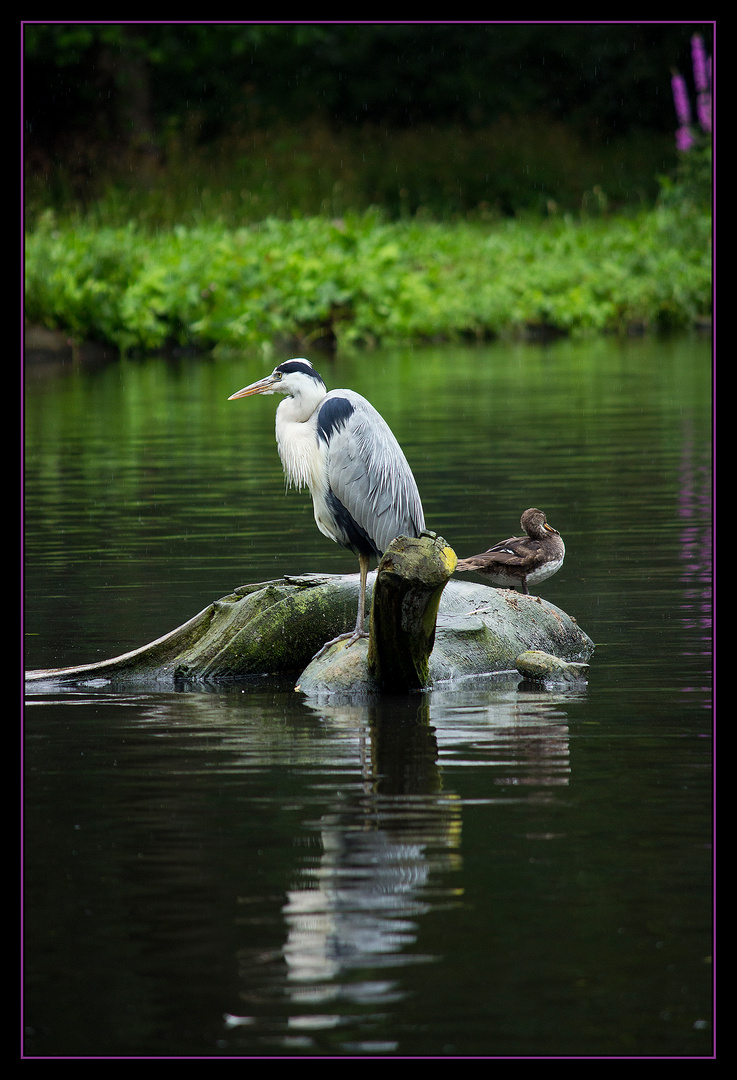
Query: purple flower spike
x: 680, y: 98
x: 703, y: 110
x: 702, y: 79
x: 684, y: 139
x: 700, y: 64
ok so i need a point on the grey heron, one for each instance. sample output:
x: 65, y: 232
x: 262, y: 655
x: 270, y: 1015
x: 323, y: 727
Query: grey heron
x: 521, y: 560
x: 337, y: 445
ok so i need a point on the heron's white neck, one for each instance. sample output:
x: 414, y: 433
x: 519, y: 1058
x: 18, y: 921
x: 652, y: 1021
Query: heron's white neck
x: 296, y: 439
x: 298, y: 407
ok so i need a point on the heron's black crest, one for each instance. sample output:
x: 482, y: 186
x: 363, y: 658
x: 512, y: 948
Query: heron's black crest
x: 290, y: 366
x: 334, y: 413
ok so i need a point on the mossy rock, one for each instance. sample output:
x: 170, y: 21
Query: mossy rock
x: 276, y: 628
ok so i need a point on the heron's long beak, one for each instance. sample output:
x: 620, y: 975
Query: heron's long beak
x: 263, y: 386
x: 546, y: 526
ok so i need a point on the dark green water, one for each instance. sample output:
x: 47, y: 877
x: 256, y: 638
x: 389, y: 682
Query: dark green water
x: 482, y: 870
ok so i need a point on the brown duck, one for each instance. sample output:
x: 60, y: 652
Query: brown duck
x: 521, y: 561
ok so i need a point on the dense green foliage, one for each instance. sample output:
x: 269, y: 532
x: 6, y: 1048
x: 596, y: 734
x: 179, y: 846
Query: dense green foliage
x: 368, y: 280
x: 225, y: 185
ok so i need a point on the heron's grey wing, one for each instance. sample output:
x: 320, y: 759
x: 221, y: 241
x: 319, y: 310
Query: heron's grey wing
x: 369, y: 474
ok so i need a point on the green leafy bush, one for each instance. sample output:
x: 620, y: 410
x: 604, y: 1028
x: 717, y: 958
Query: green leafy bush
x: 365, y: 279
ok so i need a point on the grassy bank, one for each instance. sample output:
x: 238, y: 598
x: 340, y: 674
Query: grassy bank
x: 366, y: 280
x: 507, y: 168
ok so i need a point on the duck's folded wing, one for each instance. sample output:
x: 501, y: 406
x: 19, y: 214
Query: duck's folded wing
x: 505, y: 553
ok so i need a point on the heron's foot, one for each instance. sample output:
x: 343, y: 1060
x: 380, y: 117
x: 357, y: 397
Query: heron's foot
x: 350, y: 639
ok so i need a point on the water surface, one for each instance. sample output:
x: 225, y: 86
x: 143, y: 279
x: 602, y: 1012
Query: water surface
x: 482, y: 870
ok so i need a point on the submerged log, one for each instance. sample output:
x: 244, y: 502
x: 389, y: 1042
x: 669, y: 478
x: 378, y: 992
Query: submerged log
x: 270, y: 627
x: 424, y: 629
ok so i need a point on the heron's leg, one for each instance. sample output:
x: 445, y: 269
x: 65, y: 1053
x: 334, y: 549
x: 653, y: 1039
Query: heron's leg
x: 358, y: 631
x: 363, y: 563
